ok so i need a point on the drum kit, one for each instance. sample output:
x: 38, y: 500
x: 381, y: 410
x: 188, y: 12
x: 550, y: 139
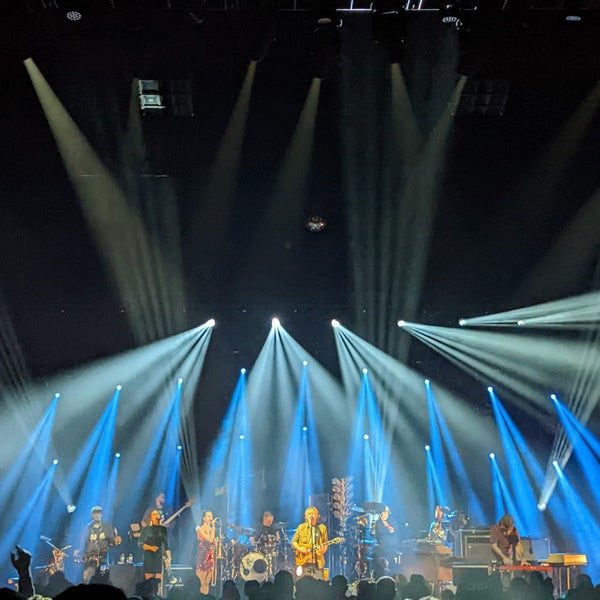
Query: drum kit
x: 260, y: 560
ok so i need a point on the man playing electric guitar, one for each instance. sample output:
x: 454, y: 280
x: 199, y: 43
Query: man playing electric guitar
x: 310, y: 542
x: 98, y: 537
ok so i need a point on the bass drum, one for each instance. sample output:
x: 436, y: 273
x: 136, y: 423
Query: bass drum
x: 254, y: 567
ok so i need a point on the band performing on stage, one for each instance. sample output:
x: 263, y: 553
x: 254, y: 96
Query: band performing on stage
x: 367, y: 545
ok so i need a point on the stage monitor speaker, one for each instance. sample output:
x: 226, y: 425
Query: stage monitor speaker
x: 473, y: 577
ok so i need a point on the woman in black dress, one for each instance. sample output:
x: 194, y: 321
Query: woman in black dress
x: 154, y: 542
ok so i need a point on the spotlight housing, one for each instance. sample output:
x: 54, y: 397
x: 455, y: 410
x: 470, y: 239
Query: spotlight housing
x: 553, y: 396
x: 71, y: 508
x: 210, y: 323
x: 119, y: 387
x: 117, y: 455
x: 427, y: 447
x: 275, y: 322
x: 335, y: 323
x: 462, y: 322
x: 490, y: 389
x: 242, y: 436
x: 180, y: 380
x: 401, y: 323
x: 179, y: 447
x: 427, y: 382
x: 541, y: 506
x: 243, y: 371
x: 555, y: 463
x: 365, y: 371
x: 57, y: 395
x: 366, y: 436
x: 305, y: 362
x: 304, y: 428
x: 492, y: 455
x: 55, y: 461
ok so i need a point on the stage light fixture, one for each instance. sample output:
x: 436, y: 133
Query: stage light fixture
x: 401, y: 323
x: 520, y: 322
x: 365, y: 371
x: 555, y: 464
x: 335, y: 323
x: 490, y: 389
x: 119, y: 387
x: 71, y: 508
x: 492, y: 455
x: 304, y: 428
x: 427, y: 382
x: 541, y: 506
x: 117, y: 455
x: 179, y: 447
x: 242, y: 436
x: 427, y: 447
x: 366, y: 436
x: 275, y: 322
x: 210, y: 323
x: 180, y: 380
x: 450, y: 15
x: 57, y: 395
x: 150, y: 98
x: 315, y: 223
x: 305, y: 362
x: 462, y: 322
x: 243, y: 371
x: 55, y: 461
x: 74, y: 15
x: 553, y: 397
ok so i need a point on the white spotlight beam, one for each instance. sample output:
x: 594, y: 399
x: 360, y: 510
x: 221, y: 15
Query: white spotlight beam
x: 576, y: 312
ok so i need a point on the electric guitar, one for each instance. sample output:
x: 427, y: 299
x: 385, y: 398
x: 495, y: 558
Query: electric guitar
x: 168, y: 521
x: 302, y: 559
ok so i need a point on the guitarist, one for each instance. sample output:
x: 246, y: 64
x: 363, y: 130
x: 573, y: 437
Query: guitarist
x: 310, y: 542
x: 160, y: 504
x: 97, y: 539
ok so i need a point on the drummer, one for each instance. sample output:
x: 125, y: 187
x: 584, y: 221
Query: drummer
x: 266, y: 535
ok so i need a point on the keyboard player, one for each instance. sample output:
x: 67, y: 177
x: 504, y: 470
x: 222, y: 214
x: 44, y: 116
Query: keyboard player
x: 505, y: 542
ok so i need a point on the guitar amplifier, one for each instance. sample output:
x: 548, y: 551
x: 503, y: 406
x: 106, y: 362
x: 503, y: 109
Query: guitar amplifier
x: 474, y: 546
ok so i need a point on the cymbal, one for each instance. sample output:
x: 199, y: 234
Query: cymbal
x: 281, y: 525
x: 356, y: 508
x: 373, y: 507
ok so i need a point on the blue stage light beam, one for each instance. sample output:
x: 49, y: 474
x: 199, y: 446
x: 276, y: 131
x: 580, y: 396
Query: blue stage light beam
x: 582, y: 522
x: 26, y: 525
x: 90, y: 473
x: 303, y: 463
x: 585, y: 447
x: 229, y: 478
x: 473, y: 503
x: 436, y: 457
x: 15, y: 488
x: 505, y: 502
x: 434, y: 488
x: 518, y: 457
